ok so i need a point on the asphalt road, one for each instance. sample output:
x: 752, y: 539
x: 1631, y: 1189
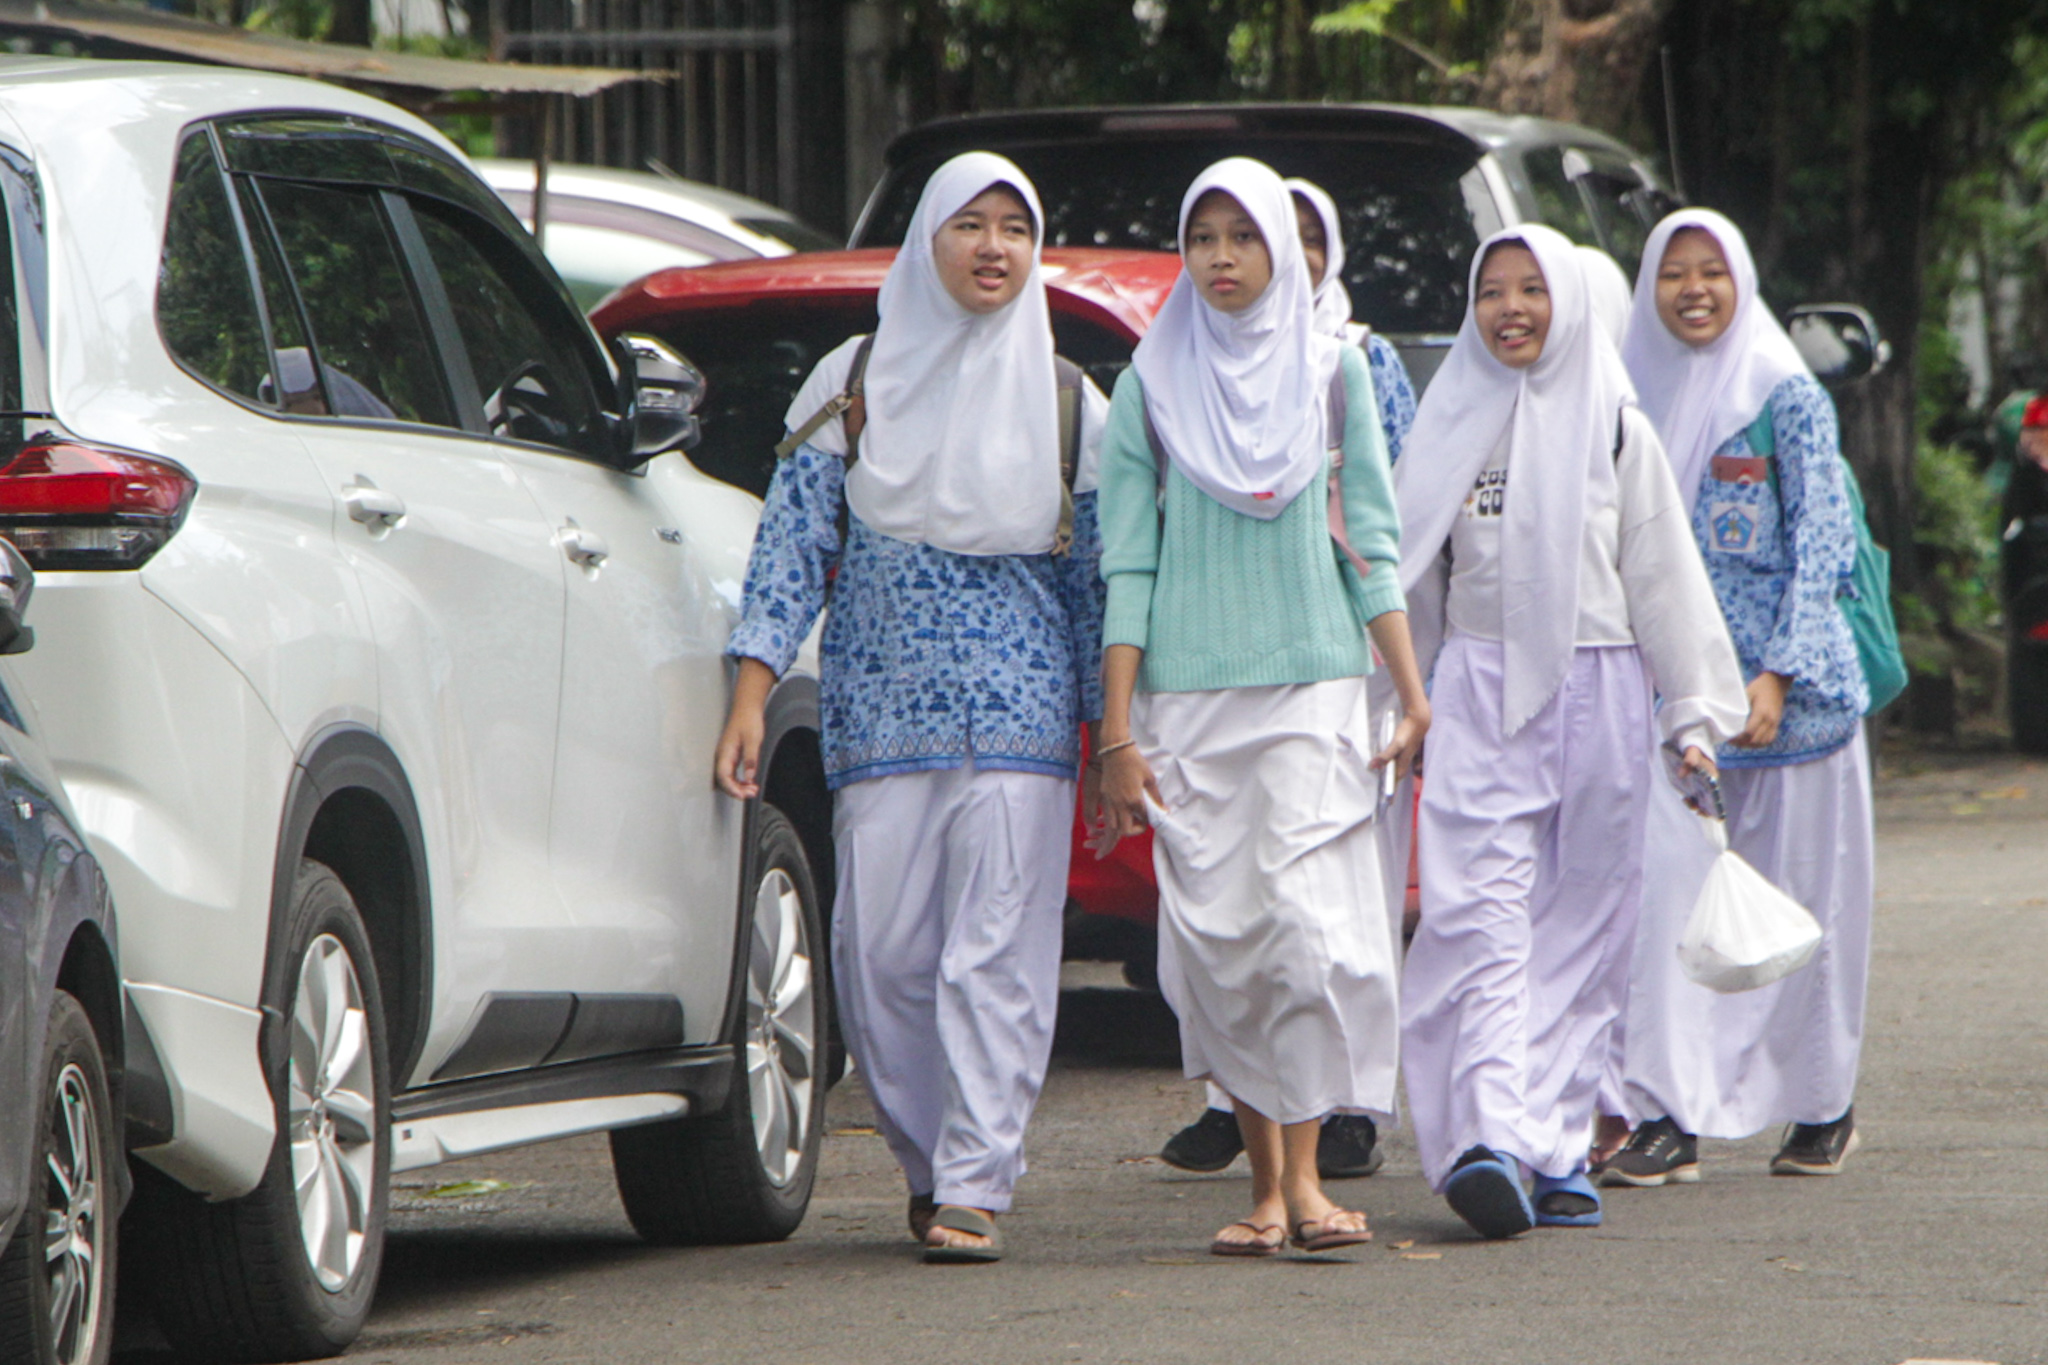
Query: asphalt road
x: 1930, y: 1247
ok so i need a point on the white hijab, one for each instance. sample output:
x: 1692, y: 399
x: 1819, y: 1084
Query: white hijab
x: 1607, y: 282
x: 1333, y: 300
x: 1559, y: 417
x: 1699, y: 396
x: 961, y: 449
x: 1239, y: 399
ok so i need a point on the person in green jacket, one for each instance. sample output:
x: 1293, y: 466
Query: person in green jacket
x: 1244, y: 574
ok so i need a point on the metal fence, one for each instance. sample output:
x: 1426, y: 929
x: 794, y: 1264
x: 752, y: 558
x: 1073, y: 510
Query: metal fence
x: 725, y: 110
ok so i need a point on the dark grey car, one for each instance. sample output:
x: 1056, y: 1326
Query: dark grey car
x: 63, y: 1177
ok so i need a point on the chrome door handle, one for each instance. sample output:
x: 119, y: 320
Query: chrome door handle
x: 587, y: 549
x: 24, y: 808
x: 372, y: 506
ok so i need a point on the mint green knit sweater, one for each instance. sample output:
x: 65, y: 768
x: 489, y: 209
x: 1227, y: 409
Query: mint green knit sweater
x: 1219, y: 599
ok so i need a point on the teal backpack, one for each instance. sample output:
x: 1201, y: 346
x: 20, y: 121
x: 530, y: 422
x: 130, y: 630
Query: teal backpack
x: 1865, y: 596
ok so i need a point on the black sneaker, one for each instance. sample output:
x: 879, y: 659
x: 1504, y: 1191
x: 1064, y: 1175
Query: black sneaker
x: 1348, y: 1148
x: 1657, y: 1154
x: 1817, y: 1148
x: 1208, y: 1144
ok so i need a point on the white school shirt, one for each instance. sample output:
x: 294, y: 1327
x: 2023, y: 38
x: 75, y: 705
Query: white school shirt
x: 1641, y: 582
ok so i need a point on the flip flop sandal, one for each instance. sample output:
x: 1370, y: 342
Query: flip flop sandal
x: 1220, y: 1247
x: 1330, y: 1238
x: 1558, y: 1202
x: 973, y: 1222
x: 919, y: 1215
x: 1488, y: 1196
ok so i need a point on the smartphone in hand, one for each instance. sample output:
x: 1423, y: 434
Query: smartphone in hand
x: 1700, y: 790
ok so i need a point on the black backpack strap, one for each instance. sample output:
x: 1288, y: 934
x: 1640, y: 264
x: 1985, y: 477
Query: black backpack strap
x: 835, y: 406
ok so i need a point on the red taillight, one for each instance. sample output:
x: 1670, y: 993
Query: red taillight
x: 2035, y: 414
x: 2039, y: 631
x: 69, y: 505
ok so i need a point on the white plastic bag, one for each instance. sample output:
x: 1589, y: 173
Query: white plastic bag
x: 1744, y: 932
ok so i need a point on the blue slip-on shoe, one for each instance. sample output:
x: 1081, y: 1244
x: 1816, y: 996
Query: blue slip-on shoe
x: 1484, y: 1191
x: 1567, y: 1203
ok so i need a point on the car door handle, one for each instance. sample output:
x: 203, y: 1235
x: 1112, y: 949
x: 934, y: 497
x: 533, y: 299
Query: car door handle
x: 372, y: 506
x: 586, y: 549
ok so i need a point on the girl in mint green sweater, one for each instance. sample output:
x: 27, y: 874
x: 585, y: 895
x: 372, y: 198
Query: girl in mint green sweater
x: 1243, y: 580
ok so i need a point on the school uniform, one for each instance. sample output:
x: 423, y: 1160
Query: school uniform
x: 1251, y: 704
x: 1755, y: 444
x: 958, y: 660
x: 1546, y: 550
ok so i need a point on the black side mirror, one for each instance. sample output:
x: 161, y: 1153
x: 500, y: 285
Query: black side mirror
x: 666, y: 391
x: 1839, y: 341
x: 17, y: 585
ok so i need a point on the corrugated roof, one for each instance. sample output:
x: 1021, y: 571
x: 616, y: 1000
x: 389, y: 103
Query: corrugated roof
x: 195, y: 40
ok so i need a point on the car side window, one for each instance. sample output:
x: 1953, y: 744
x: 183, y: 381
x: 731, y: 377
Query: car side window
x: 205, y: 308
x: 370, y: 344
x: 1558, y: 202
x: 532, y: 376
x: 1613, y: 195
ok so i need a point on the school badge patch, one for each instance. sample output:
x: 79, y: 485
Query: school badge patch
x: 1734, y: 527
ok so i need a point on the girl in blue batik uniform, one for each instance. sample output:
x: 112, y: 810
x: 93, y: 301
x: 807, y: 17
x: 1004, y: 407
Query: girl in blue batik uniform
x: 1753, y: 439
x: 959, y: 659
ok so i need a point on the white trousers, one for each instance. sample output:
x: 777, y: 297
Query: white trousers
x: 946, y: 960
x: 1729, y: 1066
x: 1273, y: 943
x: 1531, y: 860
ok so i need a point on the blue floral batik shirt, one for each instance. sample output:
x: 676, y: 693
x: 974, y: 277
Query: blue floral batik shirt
x: 1779, y: 559
x: 928, y: 657
x: 1393, y: 388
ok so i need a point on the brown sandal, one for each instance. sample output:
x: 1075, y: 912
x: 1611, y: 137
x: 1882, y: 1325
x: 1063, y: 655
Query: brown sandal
x: 1260, y: 1247
x: 1329, y: 1238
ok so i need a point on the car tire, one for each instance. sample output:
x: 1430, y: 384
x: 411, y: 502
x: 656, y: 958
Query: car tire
x: 2027, y: 695
x: 260, y: 1278
x: 744, y: 1174
x: 57, y: 1271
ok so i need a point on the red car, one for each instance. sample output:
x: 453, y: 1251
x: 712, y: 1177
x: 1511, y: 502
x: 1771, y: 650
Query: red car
x: 755, y: 329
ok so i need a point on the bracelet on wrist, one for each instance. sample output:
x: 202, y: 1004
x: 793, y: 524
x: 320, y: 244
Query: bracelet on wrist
x: 1106, y: 750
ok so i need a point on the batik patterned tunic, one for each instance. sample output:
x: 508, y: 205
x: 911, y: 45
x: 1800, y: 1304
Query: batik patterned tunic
x: 928, y: 657
x: 1779, y: 560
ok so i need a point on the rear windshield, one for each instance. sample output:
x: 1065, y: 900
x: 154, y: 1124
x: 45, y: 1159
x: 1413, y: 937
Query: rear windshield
x: 755, y: 357
x: 1409, y: 229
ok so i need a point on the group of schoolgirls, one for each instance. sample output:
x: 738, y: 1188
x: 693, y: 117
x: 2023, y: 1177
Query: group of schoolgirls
x: 1206, y: 569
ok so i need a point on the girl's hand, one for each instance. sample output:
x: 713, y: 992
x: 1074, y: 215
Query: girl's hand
x: 1405, y: 752
x: 735, y: 767
x: 1126, y: 781
x: 1698, y: 760
x: 1766, y: 708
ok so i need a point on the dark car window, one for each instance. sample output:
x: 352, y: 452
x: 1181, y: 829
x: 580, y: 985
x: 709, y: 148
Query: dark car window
x: 1614, y: 200
x: 533, y: 379
x: 1558, y: 201
x: 205, y: 308
x: 1408, y: 227
x: 371, y: 343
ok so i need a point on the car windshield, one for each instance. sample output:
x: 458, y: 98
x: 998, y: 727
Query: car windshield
x: 1409, y: 232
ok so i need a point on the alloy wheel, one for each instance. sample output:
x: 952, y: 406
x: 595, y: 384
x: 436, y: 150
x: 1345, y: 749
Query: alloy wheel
x: 782, y: 1027
x: 331, y: 1111
x: 74, y: 1232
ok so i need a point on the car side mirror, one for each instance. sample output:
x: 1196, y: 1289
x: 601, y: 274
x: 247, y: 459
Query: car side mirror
x: 1838, y: 341
x: 666, y: 391
x: 17, y: 585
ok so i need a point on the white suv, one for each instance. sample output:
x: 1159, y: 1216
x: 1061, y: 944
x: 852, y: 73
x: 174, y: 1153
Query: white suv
x: 382, y: 657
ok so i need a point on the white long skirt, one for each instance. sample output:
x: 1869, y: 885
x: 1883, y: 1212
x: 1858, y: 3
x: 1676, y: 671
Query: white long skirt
x: 946, y: 962
x: 1531, y: 853
x: 1273, y: 943
x: 1729, y: 1066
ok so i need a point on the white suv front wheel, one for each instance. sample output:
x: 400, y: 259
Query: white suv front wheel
x: 287, y: 1271
x: 744, y: 1173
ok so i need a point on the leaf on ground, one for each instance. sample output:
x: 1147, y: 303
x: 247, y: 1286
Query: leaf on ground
x: 855, y: 1130
x: 472, y: 1189
x: 1422, y: 1255
x: 1966, y: 808
x: 1403, y: 1246
x: 2004, y: 794
x: 1138, y: 1161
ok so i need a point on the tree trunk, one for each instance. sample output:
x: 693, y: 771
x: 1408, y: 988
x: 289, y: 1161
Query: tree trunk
x: 1578, y: 60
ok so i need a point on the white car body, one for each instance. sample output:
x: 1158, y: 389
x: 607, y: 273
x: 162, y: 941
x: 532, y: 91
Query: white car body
x: 535, y: 644
x: 606, y: 228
